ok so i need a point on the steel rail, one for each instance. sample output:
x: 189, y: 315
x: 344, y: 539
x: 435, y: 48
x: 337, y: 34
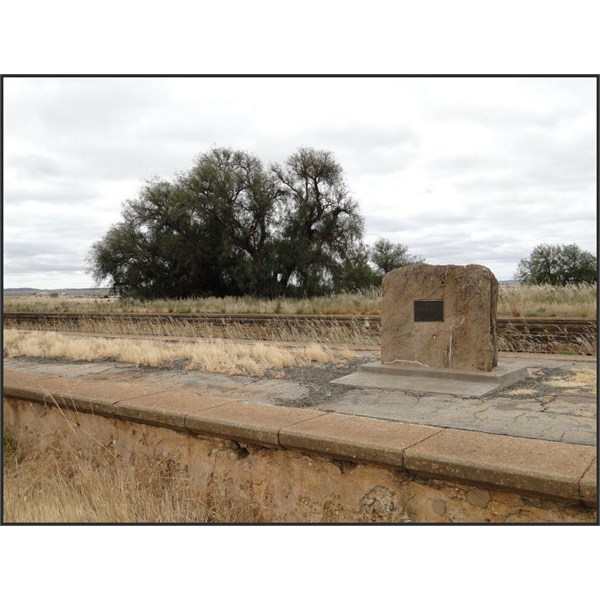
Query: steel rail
x: 550, y: 334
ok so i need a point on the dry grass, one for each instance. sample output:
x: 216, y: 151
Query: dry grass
x: 363, y: 303
x: 217, y: 356
x: 57, y: 482
x: 581, y: 379
x: 547, y: 301
x: 514, y: 301
x: 274, y: 330
x: 584, y: 344
x: 354, y: 331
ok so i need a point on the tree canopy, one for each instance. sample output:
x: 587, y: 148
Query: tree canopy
x: 231, y: 226
x: 558, y: 265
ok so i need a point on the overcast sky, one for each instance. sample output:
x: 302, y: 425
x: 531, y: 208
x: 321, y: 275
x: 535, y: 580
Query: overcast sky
x: 465, y: 170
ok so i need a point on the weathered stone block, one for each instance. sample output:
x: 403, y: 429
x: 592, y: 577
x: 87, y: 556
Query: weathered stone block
x: 440, y: 316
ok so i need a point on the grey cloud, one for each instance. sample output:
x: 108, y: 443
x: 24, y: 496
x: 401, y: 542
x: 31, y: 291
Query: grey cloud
x: 52, y: 258
x: 48, y: 261
x: 506, y: 118
x: 42, y: 245
x: 69, y: 107
x: 365, y: 134
x: 448, y: 166
x: 391, y: 223
x: 537, y: 165
x: 199, y: 127
x: 38, y: 246
x: 502, y: 221
x: 525, y: 211
x: 52, y: 193
x: 516, y: 104
x: 34, y: 165
x: 96, y: 161
x: 557, y: 180
x: 372, y: 150
x: 541, y: 164
x: 378, y: 161
x: 494, y: 252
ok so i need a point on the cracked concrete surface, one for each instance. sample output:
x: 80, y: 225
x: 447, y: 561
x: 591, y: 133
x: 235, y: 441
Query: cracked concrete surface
x: 534, y: 408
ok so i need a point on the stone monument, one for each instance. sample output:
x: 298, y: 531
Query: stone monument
x: 438, y: 327
x: 440, y: 316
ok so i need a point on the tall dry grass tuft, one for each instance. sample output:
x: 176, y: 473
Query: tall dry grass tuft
x: 217, y: 356
x: 57, y: 482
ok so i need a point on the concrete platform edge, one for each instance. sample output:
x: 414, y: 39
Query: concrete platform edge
x: 273, y: 425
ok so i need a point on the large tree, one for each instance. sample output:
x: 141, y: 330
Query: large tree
x: 206, y: 233
x: 231, y: 227
x: 321, y: 223
x: 237, y: 201
x: 142, y: 255
x: 558, y: 265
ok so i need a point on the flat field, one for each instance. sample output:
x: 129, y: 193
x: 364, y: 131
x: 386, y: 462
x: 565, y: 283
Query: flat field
x: 577, y: 301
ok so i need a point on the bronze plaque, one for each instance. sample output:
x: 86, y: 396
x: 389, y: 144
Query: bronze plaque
x: 429, y: 310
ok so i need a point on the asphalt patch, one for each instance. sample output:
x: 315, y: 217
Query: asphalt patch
x: 317, y: 379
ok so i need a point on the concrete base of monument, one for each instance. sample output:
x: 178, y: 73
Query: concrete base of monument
x: 411, y: 378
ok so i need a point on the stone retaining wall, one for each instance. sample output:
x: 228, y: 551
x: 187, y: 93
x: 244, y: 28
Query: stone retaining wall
x: 301, y: 465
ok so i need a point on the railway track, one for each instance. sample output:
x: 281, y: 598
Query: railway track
x: 515, y: 334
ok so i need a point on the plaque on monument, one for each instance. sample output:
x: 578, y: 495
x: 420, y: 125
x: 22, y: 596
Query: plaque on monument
x: 429, y: 310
